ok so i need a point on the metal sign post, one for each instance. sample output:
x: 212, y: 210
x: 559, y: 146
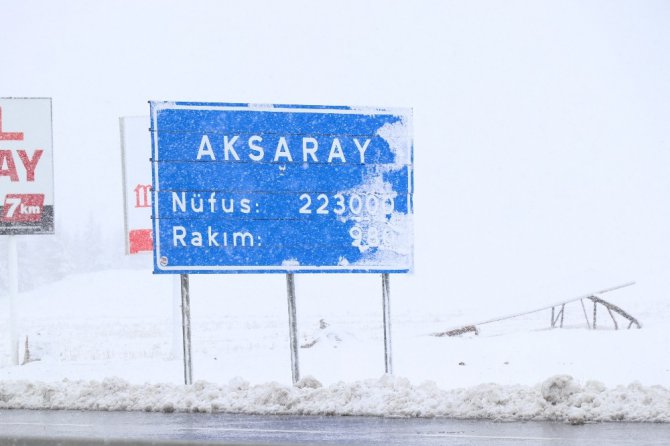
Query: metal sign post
x: 293, y: 328
x: 186, y: 329
x: 386, y: 304
x: 177, y: 337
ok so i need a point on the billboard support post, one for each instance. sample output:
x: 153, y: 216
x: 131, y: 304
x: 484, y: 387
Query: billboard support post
x: 186, y: 329
x: 386, y: 303
x: 293, y: 328
x: 13, y: 276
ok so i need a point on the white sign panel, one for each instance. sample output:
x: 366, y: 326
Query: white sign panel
x: 136, y: 153
x: 26, y: 166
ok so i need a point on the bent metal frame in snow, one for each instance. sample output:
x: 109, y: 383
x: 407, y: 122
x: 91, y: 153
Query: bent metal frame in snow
x: 557, y: 317
x: 243, y: 188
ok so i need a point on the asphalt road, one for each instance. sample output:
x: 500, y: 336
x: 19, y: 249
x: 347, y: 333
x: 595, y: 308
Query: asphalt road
x: 21, y: 427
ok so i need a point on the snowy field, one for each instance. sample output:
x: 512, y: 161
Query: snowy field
x: 541, y: 155
x: 104, y: 340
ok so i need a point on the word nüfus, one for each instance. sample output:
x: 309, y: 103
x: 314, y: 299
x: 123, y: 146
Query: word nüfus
x: 210, y: 203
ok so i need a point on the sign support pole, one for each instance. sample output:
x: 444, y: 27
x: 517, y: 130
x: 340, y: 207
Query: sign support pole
x: 176, y: 328
x: 386, y: 303
x: 186, y: 329
x: 13, y: 275
x: 293, y: 328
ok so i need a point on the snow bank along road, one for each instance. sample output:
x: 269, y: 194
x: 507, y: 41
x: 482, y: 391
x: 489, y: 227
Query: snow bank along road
x: 40, y: 428
x: 559, y: 398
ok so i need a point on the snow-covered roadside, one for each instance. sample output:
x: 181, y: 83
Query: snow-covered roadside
x: 559, y: 398
x: 103, y: 341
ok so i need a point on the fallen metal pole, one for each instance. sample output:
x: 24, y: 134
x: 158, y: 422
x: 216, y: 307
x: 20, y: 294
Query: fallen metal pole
x: 511, y: 316
x: 186, y: 329
x: 293, y: 328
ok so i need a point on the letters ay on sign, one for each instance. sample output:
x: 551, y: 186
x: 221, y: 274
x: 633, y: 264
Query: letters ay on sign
x: 26, y: 166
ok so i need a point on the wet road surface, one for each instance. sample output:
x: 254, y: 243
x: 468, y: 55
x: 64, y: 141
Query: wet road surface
x: 55, y: 427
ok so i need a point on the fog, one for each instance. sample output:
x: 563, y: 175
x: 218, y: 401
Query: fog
x: 540, y: 128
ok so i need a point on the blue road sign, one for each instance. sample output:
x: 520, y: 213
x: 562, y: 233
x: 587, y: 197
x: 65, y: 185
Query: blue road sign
x: 281, y: 188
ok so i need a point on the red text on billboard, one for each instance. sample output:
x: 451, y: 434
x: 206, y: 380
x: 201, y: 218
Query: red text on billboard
x: 22, y: 208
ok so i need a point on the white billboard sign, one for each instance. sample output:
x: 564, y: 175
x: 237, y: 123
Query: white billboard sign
x: 136, y: 153
x: 26, y: 166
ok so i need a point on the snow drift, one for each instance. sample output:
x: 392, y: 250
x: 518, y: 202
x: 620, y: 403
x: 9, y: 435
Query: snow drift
x: 559, y: 398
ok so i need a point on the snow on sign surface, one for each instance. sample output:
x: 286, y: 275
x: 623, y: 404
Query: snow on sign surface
x: 26, y: 166
x: 283, y: 188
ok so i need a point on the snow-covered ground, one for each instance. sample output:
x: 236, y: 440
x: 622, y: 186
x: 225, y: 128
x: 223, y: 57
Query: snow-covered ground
x: 104, y: 340
x: 541, y: 157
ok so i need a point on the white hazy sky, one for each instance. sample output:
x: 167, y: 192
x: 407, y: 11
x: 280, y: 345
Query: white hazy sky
x: 541, y: 127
